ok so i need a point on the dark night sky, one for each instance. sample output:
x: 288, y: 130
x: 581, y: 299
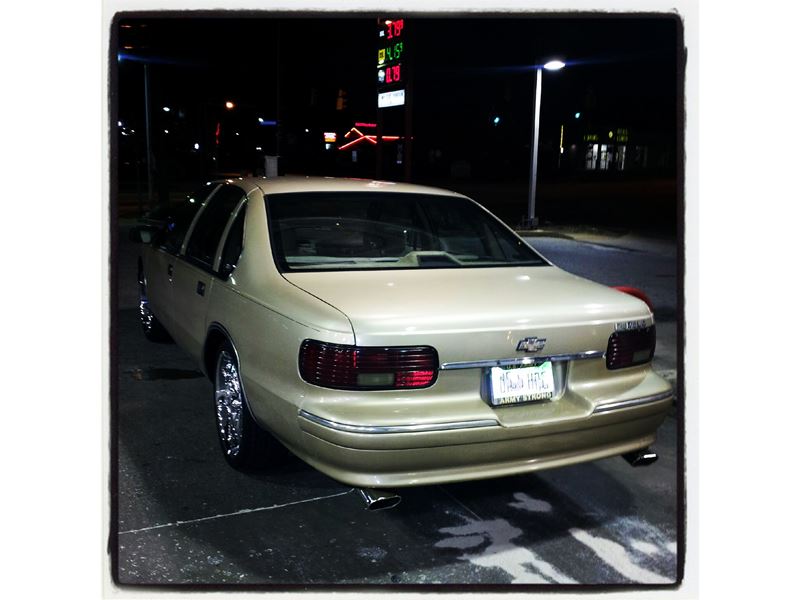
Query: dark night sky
x: 622, y: 72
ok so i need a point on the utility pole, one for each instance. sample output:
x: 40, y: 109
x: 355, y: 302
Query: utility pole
x: 277, y: 97
x: 147, y: 137
x: 409, y: 110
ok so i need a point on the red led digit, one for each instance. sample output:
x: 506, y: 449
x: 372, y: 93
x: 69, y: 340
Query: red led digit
x: 398, y: 26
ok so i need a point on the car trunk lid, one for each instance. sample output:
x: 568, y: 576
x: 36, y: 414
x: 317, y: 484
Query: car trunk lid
x: 474, y: 314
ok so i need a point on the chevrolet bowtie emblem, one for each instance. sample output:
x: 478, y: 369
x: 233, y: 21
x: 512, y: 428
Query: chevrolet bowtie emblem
x: 531, y: 344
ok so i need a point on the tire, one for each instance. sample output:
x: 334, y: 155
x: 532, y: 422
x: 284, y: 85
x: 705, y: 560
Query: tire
x: 151, y: 326
x: 244, y: 444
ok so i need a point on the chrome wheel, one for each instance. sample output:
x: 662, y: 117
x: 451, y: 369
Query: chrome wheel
x: 145, y: 314
x: 244, y: 443
x: 153, y: 330
x: 229, y: 400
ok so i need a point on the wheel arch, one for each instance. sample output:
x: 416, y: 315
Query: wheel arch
x: 216, y: 335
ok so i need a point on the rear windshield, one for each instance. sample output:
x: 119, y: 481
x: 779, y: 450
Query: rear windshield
x: 360, y: 231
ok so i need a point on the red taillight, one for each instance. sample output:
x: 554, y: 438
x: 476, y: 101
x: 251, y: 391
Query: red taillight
x: 631, y: 348
x: 367, y: 367
x: 637, y: 293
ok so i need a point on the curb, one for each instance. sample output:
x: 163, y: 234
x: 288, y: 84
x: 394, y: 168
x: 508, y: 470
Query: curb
x: 542, y: 233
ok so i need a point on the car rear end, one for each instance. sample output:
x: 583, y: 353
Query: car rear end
x: 452, y: 398
x: 472, y: 357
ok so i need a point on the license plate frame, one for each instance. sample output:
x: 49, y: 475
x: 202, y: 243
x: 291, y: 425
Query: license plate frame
x: 537, y: 381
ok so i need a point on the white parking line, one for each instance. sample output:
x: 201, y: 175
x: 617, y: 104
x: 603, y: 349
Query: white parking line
x: 645, y: 547
x: 244, y: 511
x: 610, y: 552
x: 615, y: 555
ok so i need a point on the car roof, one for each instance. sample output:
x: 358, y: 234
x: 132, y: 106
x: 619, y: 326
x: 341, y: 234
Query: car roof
x: 297, y: 183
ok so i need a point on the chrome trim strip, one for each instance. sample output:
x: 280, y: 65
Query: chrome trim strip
x: 395, y: 428
x: 524, y: 360
x: 619, y: 404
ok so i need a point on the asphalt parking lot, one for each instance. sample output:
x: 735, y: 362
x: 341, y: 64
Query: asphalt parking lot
x: 184, y: 517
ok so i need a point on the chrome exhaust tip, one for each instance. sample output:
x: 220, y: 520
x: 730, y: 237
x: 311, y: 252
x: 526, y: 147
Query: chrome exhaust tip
x: 641, y: 457
x: 379, y: 499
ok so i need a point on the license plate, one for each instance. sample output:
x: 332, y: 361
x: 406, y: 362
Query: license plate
x: 522, y: 384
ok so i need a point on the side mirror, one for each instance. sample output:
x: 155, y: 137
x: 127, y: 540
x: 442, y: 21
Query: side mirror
x: 142, y: 234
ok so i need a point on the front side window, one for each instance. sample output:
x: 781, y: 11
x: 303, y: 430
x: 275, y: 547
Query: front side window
x: 207, y: 232
x: 179, y: 218
x: 363, y: 230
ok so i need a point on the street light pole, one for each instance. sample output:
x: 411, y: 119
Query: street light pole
x: 537, y: 103
x: 553, y: 65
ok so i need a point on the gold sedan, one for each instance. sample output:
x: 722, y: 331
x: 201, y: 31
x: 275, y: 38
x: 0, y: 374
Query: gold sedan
x: 394, y: 335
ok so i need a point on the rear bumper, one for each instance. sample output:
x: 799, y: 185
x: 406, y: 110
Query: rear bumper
x: 375, y: 455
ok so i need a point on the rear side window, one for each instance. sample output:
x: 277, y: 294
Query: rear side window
x: 180, y: 217
x: 233, y: 245
x: 205, y: 237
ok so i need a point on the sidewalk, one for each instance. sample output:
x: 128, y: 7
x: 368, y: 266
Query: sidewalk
x: 628, y: 240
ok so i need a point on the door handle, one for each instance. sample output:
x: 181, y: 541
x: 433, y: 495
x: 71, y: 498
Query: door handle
x: 201, y: 288
x: 169, y: 270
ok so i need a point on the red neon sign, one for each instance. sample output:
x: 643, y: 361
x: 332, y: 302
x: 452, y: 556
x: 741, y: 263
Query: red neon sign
x: 372, y: 139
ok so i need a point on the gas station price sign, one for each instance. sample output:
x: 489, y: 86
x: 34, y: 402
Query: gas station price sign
x: 390, y: 76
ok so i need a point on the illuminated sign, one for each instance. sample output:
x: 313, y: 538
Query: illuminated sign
x: 366, y: 124
x: 330, y: 137
x: 390, y: 53
x: 391, y: 29
x: 390, y: 75
x: 395, y: 98
x: 360, y: 137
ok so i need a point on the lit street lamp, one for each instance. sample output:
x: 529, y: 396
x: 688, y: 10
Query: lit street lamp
x: 553, y: 65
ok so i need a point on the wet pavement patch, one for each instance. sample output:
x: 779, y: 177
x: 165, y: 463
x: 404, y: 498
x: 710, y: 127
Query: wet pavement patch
x: 163, y: 374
